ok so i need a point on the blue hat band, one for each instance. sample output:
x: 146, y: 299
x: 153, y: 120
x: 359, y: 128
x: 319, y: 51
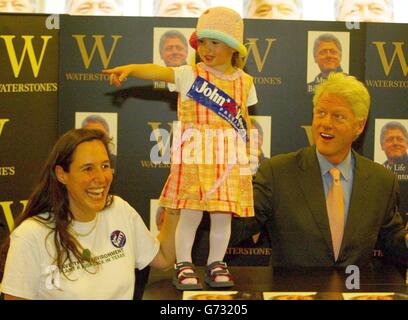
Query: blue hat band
x: 221, y: 36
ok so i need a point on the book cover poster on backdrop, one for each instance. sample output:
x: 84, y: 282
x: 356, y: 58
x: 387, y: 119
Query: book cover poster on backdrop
x: 390, y: 150
x: 327, y: 52
x: 386, y: 79
x: 172, y: 49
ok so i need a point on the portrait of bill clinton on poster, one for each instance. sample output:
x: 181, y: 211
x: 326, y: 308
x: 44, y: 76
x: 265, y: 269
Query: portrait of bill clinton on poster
x: 327, y: 52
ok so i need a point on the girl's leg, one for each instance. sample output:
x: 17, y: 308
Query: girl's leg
x: 219, y: 238
x: 185, y: 235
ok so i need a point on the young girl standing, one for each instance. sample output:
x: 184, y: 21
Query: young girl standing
x: 209, y: 174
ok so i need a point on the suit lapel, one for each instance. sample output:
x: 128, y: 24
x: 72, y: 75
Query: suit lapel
x: 310, y: 181
x: 359, y: 195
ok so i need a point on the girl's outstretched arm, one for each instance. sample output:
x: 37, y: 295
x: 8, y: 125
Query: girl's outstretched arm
x: 143, y: 71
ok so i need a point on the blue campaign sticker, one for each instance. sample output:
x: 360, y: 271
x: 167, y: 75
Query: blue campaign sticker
x: 208, y: 95
x: 118, y: 239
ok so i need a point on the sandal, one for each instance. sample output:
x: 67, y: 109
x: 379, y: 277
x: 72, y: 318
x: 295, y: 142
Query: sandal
x: 210, y: 276
x: 178, y: 281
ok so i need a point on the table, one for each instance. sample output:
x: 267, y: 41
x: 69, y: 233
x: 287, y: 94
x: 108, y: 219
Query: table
x: 329, y: 282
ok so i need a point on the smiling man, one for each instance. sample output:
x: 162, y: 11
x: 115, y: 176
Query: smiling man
x: 273, y: 9
x: 18, y: 6
x: 394, y: 143
x: 326, y: 205
x: 173, y: 48
x: 180, y: 8
x: 94, y: 7
x: 364, y: 10
x: 327, y: 53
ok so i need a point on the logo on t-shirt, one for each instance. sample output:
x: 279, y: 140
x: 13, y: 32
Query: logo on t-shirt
x: 118, y: 238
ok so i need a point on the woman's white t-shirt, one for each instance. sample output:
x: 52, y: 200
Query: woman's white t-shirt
x: 120, y: 243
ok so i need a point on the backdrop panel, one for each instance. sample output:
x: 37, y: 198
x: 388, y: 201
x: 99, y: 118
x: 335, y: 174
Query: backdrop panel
x: 280, y: 59
x: 387, y: 80
x: 140, y: 113
x: 28, y: 107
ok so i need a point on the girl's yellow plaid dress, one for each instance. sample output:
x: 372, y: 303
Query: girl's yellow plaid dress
x: 209, y: 180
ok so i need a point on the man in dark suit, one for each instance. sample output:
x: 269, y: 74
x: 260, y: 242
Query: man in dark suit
x: 293, y: 193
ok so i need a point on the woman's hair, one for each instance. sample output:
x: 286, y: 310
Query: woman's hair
x: 51, y: 196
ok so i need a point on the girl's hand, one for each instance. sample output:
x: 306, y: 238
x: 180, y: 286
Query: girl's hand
x: 118, y: 74
x: 147, y: 71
